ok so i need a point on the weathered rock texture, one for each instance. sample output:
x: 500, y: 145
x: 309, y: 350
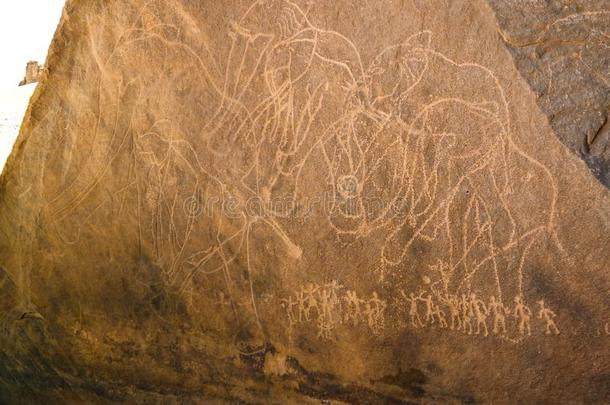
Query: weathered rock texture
x: 282, y: 202
x: 562, y: 48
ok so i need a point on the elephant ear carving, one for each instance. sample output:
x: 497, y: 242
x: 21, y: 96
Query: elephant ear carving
x: 398, y: 69
x: 421, y: 39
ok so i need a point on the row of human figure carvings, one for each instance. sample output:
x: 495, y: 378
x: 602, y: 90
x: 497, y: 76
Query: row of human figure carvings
x: 330, y: 305
x: 470, y: 315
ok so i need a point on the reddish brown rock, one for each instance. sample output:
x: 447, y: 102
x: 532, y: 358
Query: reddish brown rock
x: 288, y: 202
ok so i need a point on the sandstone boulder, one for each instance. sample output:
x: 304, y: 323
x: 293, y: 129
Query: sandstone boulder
x: 286, y: 202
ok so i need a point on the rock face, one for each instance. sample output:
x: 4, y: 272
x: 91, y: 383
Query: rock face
x: 32, y: 72
x: 562, y: 50
x: 287, y: 202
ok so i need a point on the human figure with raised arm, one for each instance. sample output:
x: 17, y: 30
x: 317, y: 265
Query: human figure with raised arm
x: 499, y: 312
x: 523, y: 315
x: 413, y: 309
x: 547, y: 315
x: 480, y: 314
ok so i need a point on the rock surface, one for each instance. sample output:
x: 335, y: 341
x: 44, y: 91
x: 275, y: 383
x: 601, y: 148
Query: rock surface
x: 288, y: 202
x: 562, y: 48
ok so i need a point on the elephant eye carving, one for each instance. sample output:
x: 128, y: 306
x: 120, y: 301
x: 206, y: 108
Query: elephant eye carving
x: 347, y: 186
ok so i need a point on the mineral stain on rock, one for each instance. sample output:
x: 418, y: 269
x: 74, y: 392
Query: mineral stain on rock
x: 272, y: 201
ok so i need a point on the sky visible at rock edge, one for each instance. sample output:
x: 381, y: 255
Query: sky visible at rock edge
x: 26, y: 31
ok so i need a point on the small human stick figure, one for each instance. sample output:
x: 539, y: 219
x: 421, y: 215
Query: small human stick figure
x: 499, y: 312
x: 607, y: 328
x: 374, y: 309
x: 413, y: 309
x: 334, y: 288
x: 300, y: 301
x: 480, y: 314
x: 325, y: 329
x: 429, y: 317
x: 547, y: 315
x: 326, y: 305
x: 310, y: 300
x: 467, y: 314
x: 454, y: 311
x: 523, y: 315
x: 352, y: 310
x: 440, y: 316
x: 288, y: 304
